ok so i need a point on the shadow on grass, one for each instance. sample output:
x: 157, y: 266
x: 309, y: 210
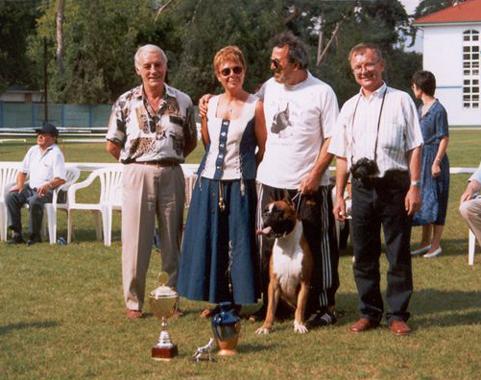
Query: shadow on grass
x: 452, y: 319
x: 27, y: 325
x: 447, y: 307
x: 427, y: 301
x: 255, y: 347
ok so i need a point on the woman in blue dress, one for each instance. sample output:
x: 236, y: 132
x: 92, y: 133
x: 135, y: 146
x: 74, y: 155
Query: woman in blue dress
x: 219, y: 260
x: 435, y: 165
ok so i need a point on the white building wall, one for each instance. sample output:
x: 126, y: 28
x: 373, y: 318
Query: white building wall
x: 443, y: 56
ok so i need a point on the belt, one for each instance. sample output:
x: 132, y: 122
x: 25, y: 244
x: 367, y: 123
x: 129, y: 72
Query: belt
x: 160, y: 163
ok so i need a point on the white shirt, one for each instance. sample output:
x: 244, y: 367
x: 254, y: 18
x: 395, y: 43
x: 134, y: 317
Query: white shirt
x: 224, y: 150
x: 43, y: 166
x: 298, y: 119
x: 399, y: 130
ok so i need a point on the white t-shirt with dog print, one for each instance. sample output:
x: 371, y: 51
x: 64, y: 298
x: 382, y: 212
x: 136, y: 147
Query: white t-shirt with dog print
x: 298, y: 119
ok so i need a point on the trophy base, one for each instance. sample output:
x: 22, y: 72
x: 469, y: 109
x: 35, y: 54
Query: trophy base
x: 164, y: 353
x: 226, y: 352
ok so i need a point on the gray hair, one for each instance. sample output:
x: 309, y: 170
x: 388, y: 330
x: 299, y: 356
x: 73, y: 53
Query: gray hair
x: 297, y: 49
x: 148, y: 48
x: 362, y: 47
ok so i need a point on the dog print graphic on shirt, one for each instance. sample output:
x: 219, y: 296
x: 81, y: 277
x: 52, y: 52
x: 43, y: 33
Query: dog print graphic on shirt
x: 281, y: 121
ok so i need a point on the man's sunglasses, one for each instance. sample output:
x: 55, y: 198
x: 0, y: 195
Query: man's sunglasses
x: 275, y: 65
x: 227, y: 71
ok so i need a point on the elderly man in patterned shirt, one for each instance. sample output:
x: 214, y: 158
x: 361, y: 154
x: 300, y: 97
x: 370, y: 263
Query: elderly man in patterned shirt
x: 151, y: 131
x: 379, y: 138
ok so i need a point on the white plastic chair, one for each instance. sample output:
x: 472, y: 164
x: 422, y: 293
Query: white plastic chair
x: 50, y: 209
x: 110, y: 199
x: 8, y: 175
x: 471, y: 247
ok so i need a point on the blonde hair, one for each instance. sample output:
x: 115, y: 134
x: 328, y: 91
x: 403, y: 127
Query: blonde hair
x: 229, y: 53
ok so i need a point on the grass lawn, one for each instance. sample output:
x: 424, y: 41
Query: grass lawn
x: 62, y: 311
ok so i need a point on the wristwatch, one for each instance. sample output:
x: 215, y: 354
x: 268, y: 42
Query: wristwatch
x: 415, y: 183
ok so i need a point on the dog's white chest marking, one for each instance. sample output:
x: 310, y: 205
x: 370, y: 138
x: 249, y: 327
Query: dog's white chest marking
x: 287, y: 262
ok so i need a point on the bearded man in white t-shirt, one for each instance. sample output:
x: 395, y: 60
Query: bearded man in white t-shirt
x: 301, y: 113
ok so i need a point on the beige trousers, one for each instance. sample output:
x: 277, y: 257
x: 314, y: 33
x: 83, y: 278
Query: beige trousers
x: 471, y: 212
x: 149, y: 191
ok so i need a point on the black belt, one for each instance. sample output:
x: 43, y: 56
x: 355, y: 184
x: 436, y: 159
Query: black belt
x: 159, y: 163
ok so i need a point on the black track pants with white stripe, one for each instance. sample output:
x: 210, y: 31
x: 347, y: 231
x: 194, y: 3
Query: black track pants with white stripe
x: 319, y: 229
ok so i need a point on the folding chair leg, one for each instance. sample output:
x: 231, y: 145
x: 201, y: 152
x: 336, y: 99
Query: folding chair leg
x: 69, y: 227
x: 471, y: 247
x: 52, y: 223
x: 107, y: 225
x: 3, y: 223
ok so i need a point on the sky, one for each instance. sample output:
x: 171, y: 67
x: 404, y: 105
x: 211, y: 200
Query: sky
x: 410, y: 5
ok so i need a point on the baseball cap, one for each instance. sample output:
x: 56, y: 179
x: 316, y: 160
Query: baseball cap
x: 48, y: 129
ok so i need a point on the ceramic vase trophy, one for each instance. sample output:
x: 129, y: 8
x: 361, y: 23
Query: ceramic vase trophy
x: 226, y: 327
x: 163, y: 302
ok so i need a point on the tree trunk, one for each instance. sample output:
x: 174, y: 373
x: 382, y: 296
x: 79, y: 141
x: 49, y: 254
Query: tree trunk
x: 59, y: 34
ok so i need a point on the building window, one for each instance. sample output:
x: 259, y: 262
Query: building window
x: 471, y: 60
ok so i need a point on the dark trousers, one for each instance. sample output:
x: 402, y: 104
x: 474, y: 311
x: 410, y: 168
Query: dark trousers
x: 374, y: 205
x: 15, y: 201
x: 315, y: 211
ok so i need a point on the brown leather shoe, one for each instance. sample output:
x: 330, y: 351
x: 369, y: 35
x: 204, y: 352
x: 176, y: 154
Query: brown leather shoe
x: 364, y: 324
x: 399, y: 327
x: 134, y: 314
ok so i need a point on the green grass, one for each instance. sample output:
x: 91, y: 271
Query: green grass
x: 62, y: 312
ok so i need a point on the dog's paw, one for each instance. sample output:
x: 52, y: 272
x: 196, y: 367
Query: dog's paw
x: 300, y: 328
x: 263, y: 330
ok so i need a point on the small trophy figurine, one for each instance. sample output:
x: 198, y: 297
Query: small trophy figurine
x: 163, y: 302
x: 204, y: 352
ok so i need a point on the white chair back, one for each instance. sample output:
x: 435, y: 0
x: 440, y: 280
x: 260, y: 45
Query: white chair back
x: 110, y: 186
x: 8, y: 175
x: 72, y: 175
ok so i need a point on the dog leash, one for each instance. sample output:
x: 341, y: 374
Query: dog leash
x: 298, y: 203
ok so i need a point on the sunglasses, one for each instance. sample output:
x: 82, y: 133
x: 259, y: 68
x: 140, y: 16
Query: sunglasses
x: 276, y: 65
x: 227, y: 71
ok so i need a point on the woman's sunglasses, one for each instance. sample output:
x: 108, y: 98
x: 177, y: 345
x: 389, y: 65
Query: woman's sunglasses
x: 227, y: 71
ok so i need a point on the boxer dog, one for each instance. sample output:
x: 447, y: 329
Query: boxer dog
x: 290, y: 264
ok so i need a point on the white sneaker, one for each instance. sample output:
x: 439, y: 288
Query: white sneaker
x: 434, y: 253
x: 420, y: 251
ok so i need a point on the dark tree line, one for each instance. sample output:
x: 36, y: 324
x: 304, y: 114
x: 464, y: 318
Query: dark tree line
x: 91, y: 43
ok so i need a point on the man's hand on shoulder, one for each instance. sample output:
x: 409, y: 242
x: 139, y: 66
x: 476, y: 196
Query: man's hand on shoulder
x: 203, y: 104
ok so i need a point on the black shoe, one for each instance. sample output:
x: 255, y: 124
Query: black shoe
x: 16, y: 239
x: 33, y: 239
x: 319, y: 320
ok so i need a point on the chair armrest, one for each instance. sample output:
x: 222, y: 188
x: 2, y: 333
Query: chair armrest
x: 7, y: 187
x: 80, y: 185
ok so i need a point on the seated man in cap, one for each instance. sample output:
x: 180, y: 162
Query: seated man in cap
x: 44, y: 164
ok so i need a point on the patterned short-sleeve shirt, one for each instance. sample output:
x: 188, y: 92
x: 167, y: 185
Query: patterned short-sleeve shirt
x: 145, y: 135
